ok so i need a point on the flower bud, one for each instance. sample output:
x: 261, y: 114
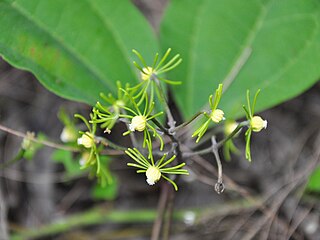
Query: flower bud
x: 217, y: 115
x: 138, y: 123
x: 230, y: 126
x: 68, y: 134
x: 153, y: 175
x: 85, y: 157
x: 257, y: 123
x: 87, y: 140
x: 146, y: 74
x: 27, y: 143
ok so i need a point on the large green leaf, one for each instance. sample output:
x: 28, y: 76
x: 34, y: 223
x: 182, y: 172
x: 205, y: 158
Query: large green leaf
x: 214, y: 37
x: 76, y: 48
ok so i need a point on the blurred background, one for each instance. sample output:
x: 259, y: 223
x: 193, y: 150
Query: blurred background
x: 270, y: 198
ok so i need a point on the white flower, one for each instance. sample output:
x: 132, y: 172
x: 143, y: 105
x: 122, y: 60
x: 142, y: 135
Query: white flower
x: 138, y: 123
x: 257, y: 124
x: 153, y: 175
x: 84, y: 158
x: 230, y: 126
x: 217, y: 115
x: 68, y: 135
x: 87, y: 140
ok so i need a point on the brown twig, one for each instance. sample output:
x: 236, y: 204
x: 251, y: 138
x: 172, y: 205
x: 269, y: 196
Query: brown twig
x: 43, y: 142
x: 155, y: 235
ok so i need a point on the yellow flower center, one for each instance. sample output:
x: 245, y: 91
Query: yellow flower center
x: 138, y: 123
x: 87, y: 140
x: 146, y: 74
x: 257, y: 123
x: 153, y: 175
x: 217, y: 115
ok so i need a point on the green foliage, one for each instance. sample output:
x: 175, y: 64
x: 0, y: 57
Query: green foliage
x: 75, y: 48
x: 277, y: 41
x: 108, y: 192
x: 79, y: 48
x: 314, y: 181
x: 70, y: 164
x: 31, y: 148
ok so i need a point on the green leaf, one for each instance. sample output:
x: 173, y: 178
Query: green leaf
x: 65, y: 157
x: 76, y: 49
x: 314, y: 181
x: 108, y: 192
x: 216, y: 37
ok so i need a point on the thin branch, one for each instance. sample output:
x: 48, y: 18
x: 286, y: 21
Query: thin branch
x: 219, y: 186
x: 43, y: 142
x: 219, y: 144
x: 156, y: 229
x: 194, y: 117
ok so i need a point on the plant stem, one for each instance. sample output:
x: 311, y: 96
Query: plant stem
x: 219, y: 186
x: 194, y: 117
x: 18, y: 157
x: 171, y: 121
x: 231, y: 135
x: 107, y: 142
x: 219, y: 144
x: 156, y: 229
x: 102, y: 215
x: 169, y: 215
x: 43, y: 142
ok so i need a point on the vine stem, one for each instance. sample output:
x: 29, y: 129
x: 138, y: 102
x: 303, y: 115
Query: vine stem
x: 219, y: 186
x: 171, y: 121
x: 219, y: 144
x: 108, y: 143
x: 155, y: 235
x: 43, y: 142
x: 194, y: 117
x: 18, y: 157
x: 167, y: 194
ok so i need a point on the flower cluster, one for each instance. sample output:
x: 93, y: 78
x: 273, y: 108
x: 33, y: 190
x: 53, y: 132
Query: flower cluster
x: 215, y: 115
x: 136, y: 107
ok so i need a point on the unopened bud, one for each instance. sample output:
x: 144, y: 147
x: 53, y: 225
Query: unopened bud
x: 257, y: 124
x: 217, y: 115
x: 138, y: 123
x: 153, y: 175
x: 87, y: 140
x: 68, y: 134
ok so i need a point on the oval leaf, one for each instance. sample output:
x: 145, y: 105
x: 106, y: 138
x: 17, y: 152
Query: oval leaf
x: 77, y: 49
x: 273, y: 45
